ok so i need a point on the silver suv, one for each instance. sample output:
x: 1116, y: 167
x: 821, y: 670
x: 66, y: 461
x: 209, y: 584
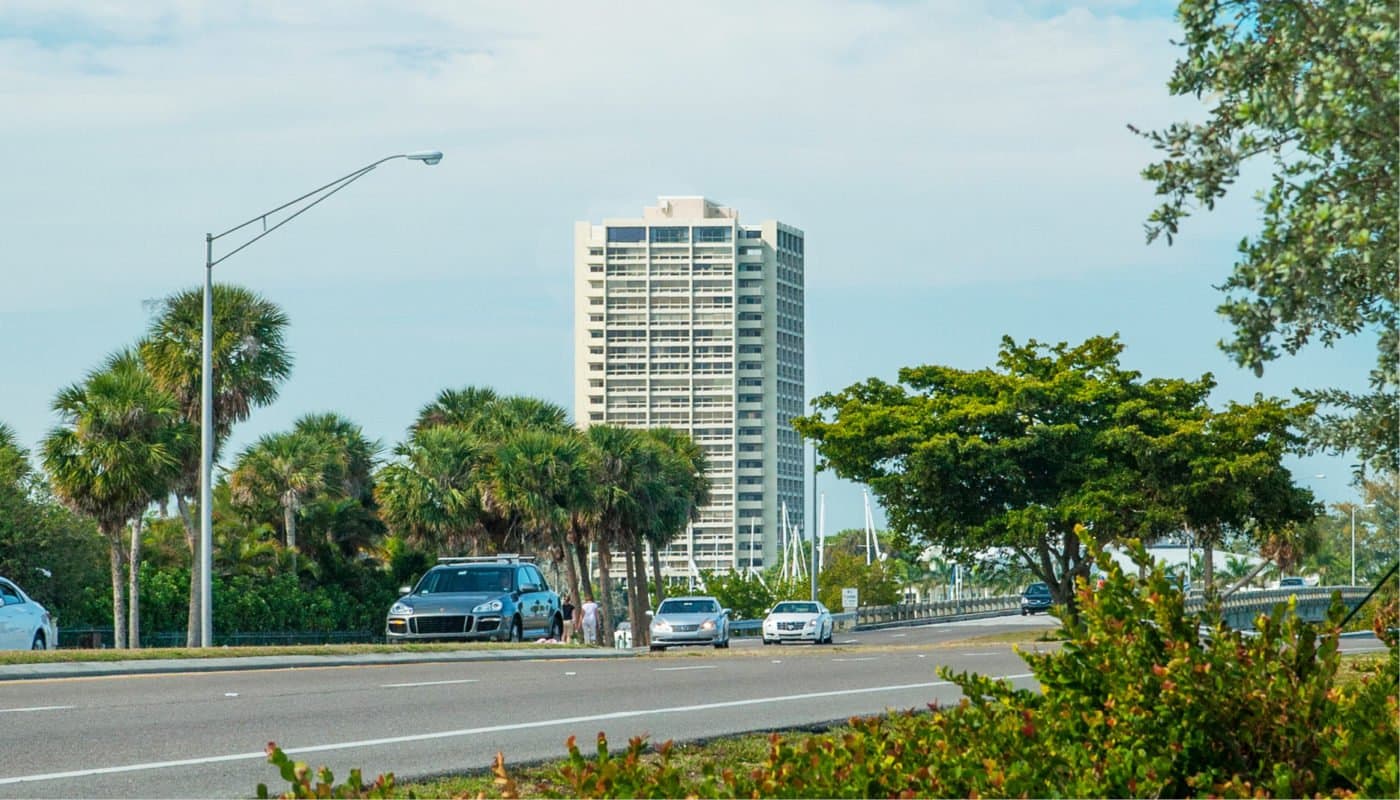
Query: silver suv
x: 493, y: 597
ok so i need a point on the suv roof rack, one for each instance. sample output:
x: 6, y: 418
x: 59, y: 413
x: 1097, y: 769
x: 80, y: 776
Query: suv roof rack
x: 500, y: 558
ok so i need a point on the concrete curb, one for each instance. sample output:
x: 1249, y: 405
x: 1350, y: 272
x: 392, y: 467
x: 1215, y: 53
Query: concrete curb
x: 92, y: 669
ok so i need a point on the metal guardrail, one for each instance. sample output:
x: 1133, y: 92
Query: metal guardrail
x: 904, y: 612
x: 1241, y: 608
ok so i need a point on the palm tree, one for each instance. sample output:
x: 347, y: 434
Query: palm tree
x: 14, y: 461
x: 617, y: 502
x: 429, y: 496
x: 250, y: 362
x: 541, y: 477
x: 118, y: 449
x: 684, y: 465
x: 289, y: 466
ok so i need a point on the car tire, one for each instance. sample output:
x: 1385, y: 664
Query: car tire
x: 516, y: 633
x: 658, y: 648
x: 556, y: 629
x: 40, y: 643
x: 766, y: 642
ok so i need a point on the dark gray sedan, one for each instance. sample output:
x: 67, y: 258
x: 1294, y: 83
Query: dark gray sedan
x: 689, y: 620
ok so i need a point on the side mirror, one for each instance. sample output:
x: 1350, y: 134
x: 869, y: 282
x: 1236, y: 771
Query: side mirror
x: 650, y: 612
x: 405, y: 590
x: 724, y: 611
x: 529, y: 587
x: 767, y: 611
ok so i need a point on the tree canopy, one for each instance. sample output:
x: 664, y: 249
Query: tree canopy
x: 1054, y: 437
x: 1310, y: 87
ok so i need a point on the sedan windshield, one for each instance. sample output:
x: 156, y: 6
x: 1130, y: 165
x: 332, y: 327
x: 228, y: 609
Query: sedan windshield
x: 795, y: 608
x: 688, y: 607
x: 464, y: 581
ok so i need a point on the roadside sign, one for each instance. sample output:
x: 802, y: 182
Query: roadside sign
x: 850, y: 599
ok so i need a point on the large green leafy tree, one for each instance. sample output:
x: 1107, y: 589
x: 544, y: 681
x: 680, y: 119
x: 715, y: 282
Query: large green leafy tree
x: 1017, y: 457
x: 1311, y: 88
x: 250, y: 362
x: 118, y: 450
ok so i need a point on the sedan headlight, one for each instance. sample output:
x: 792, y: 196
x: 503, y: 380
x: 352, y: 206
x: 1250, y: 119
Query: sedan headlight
x: 707, y: 625
x: 811, y: 623
x: 401, y: 610
x: 486, y: 608
x: 661, y: 626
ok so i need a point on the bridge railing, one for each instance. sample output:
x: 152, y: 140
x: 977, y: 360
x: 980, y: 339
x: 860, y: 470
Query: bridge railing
x: 870, y: 616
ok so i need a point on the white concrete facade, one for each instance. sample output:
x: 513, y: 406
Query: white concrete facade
x: 686, y: 318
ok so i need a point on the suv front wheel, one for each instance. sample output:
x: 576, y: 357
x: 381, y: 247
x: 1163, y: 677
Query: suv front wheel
x: 515, y: 631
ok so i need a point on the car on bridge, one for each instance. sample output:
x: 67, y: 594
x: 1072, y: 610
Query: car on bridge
x: 501, y: 598
x: 798, y: 621
x: 24, y: 623
x: 1035, y: 598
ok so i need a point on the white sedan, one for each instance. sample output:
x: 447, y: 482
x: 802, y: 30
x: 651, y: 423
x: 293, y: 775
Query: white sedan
x: 24, y: 624
x: 798, y: 621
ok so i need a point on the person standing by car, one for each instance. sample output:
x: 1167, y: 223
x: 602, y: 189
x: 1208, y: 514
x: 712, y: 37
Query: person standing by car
x: 566, y: 609
x: 590, y: 622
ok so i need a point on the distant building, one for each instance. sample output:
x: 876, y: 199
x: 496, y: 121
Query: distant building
x: 686, y: 318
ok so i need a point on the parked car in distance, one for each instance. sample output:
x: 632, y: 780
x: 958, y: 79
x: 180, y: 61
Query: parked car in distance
x: 24, y: 623
x: 1292, y: 583
x: 689, y: 620
x: 490, y: 597
x: 798, y: 621
x: 1035, y: 598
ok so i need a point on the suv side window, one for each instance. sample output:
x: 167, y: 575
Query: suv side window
x: 538, y: 579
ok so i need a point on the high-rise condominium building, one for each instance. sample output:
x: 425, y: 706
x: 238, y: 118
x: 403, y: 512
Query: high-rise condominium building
x: 688, y: 319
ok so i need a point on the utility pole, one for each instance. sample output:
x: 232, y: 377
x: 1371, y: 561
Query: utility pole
x: 812, y: 526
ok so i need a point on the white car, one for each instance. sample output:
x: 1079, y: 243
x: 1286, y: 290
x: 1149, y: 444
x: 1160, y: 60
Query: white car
x: 24, y: 624
x: 798, y: 621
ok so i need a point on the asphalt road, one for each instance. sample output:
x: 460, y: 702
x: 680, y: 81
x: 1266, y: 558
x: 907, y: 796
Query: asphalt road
x: 202, y: 734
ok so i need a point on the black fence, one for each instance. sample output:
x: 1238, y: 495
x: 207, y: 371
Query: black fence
x: 97, y: 638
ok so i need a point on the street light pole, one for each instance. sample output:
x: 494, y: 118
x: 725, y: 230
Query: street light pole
x: 1353, y: 540
x: 206, y: 411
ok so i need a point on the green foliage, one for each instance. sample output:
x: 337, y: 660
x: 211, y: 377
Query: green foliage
x: 299, y: 780
x: 842, y: 569
x: 748, y: 597
x: 1056, y: 436
x: 1312, y: 88
x: 56, y: 556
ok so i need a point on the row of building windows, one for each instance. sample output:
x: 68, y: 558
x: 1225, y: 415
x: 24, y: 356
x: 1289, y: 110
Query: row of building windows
x: 631, y: 234
x: 788, y: 241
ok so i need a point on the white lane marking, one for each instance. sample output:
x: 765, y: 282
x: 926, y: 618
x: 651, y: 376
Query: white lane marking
x: 849, y: 641
x: 678, y: 669
x: 983, y: 653
x: 921, y: 655
x: 230, y: 694
x: 898, y: 635
x: 35, y: 708
x: 426, y: 683
x: 571, y: 673
x: 862, y: 658
x: 453, y: 734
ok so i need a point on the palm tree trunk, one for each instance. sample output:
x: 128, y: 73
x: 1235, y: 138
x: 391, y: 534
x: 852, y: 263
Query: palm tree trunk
x: 605, y: 625
x: 193, y: 631
x: 133, y: 637
x: 656, y: 572
x: 634, y: 612
x: 289, y: 520
x: 114, y: 542
x: 585, y: 576
x: 570, y: 571
x: 640, y: 628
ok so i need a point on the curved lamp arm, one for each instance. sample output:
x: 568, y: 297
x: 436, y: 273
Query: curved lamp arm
x: 429, y: 157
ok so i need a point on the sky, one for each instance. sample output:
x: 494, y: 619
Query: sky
x: 961, y: 170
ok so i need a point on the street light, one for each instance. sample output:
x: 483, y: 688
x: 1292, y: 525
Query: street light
x: 1353, y: 540
x: 206, y: 413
